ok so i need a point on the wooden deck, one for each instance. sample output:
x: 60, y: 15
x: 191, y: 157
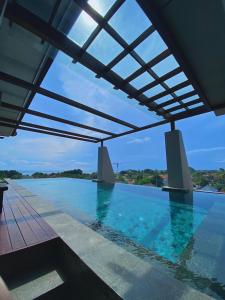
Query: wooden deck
x: 20, y: 225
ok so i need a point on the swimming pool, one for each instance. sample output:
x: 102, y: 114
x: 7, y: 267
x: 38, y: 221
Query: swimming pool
x: 187, y: 233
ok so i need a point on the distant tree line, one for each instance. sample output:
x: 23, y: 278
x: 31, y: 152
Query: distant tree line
x: 13, y: 174
x: 76, y: 173
x: 200, y: 178
x: 142, y: 177
x: 215, y: 179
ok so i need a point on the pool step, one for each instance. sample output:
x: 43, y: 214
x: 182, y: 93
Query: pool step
x: 35, y: 285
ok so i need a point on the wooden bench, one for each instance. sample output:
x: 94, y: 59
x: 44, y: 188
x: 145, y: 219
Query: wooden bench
x: 3, y: 188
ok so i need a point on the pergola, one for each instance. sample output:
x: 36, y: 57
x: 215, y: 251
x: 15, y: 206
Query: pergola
x: 33, y: 31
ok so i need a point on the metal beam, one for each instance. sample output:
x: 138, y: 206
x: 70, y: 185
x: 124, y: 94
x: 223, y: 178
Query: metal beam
x: 182, y: 97
x: 149, y: 65
x: 114, y: 34
x: 128, y: 49
x: 171, y: 90
x: 53, y: 14
x: 44, y: 132
x: 172, y: 109
x: 37, y: 89
x: 137, y: 130
x: 116, y: 5
x: 122, y: 42
x: 192, y: 112
x: 27, y: 124
x: 179, y: 116
x: 53, y: 118
x: 44, y: 67
x: 161, y: 79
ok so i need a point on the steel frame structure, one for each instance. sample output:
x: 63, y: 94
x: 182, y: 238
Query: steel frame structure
x: 47, y: 33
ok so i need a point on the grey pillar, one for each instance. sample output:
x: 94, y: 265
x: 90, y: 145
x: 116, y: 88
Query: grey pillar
x: 105, y: 170
x: 179, y: 176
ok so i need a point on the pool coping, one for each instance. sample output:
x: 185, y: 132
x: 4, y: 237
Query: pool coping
x: 128, y: 275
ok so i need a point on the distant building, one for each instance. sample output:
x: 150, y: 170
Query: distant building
x: 209, y: 188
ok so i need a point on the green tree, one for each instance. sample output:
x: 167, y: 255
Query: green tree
x: 156, y: 180
x: 200, y: 180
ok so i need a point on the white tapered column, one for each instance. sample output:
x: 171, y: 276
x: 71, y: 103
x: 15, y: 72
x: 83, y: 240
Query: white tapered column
x: 179, y: 176
x: 105, y: 170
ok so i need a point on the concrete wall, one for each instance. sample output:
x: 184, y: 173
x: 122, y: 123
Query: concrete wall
x: 177, y: 164
x: 105, y: 170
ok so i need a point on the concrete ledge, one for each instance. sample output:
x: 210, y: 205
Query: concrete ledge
x: 129, y: 276
x: 97, y: 180
x: 173, y: 189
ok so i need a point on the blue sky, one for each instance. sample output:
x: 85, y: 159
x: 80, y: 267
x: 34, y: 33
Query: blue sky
x: 203, y: 135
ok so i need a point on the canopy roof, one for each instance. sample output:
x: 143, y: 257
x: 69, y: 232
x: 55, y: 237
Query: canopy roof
x: 184, y: 74
x: 195, y: 30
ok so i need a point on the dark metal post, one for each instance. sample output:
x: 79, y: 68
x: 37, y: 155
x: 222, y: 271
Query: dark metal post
x: 172, y: 125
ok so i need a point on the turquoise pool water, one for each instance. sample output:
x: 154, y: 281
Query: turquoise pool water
x: 187, y: 233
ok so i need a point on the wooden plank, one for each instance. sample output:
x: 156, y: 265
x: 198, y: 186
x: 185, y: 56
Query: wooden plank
x: 38, y: 232
x: 5, y: 243
x: 27, y: 233
x: 15, y: 235
x: 48, y: 229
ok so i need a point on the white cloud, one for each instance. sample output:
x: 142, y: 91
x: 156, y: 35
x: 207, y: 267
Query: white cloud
x: 139, y: 140
x: 205, y: 150
x: 47, y: 147
x: 76, y: 86
x: 42, y: 152
x: 54, y: 165
x: 84, y: 163
x: 221, y: 161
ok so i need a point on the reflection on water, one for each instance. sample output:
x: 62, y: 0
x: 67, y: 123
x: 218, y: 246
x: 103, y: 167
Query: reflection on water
x: 104, y: 195
x: 182, y: 225
x: 181, y: 197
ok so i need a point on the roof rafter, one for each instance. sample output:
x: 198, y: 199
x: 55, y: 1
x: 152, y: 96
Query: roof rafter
x: 37, y: 89
x: 162, y: 78
x: 190, y: 103
x: 27, y: 124
x: 116, y: 5
x: 179, y: 116
x: 128, y: 49
x: 171, y: 90
x: 182, y: 97
x: 44, y: 132
x: 53, y: 118
x: 144, y: 67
